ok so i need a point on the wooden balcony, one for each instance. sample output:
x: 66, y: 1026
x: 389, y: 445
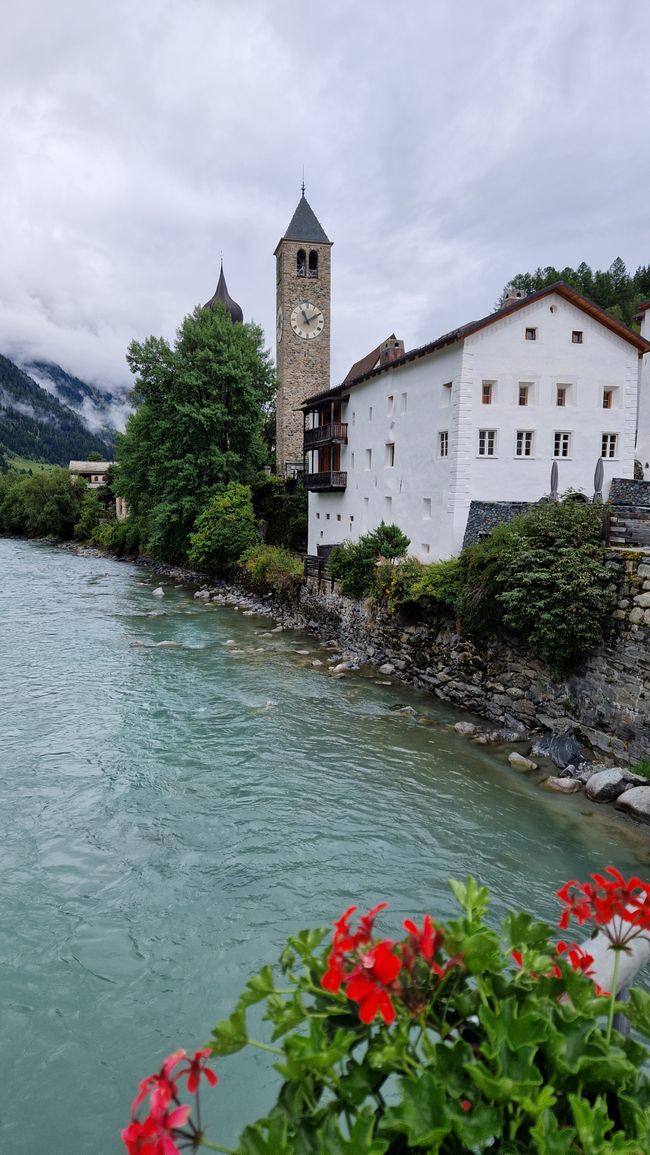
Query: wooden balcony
x: 334, y: 432
x: 331, y: 480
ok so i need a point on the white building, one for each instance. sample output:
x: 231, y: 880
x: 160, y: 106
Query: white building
x: 480, y: 414
x: 643, y: 442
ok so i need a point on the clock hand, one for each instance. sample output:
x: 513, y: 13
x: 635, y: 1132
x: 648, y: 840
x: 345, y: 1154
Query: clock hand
x: 307, y: 319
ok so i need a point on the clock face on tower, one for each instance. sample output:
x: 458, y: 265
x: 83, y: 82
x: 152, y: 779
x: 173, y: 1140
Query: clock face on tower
x: 307, y: 320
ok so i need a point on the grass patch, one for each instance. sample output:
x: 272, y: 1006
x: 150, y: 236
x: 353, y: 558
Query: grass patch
x: 24, y: 465
x: 642, y: 768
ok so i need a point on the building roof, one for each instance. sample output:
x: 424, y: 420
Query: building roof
x: 305, y: 226
x: 641, y: 308
x: 456, y: 335
x: 365, y: 365
x: 221, y: 294
x: 89, y: 466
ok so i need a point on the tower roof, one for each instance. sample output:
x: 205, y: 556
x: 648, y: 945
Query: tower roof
x: 305, y: 226
x: 221, y: 294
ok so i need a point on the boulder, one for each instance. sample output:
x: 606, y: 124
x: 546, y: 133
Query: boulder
x: 635, y: 802
x: 520, y: 764
x: 387, y: 668
x: 563, y: 785
x: 562, y: 749
x: 465, y: 728
x: 158, y: 592
x: 606, y: 785
x: 201, y: 595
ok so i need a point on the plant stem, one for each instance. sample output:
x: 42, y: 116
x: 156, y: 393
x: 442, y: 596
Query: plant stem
x: 217, y: 1147
x: 265, y: 1047
x: 612, y: 1000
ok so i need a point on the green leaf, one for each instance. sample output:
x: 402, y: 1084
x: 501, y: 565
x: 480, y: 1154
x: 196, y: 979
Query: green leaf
x: 551, y: 1139
x: 477, y: 1125
x: 362, y: 1137
x: 285, y: 1014
x: 638, y: 1011
x: 258, y: 987
x: 230, y: 1035
x: 522, y: 929
x: 470, y: 896
x: 422, y: 1114
x: 593, y: 1123
x: 267, y: 1137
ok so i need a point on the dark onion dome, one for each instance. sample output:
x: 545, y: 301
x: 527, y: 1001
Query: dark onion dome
x: 221, y: 294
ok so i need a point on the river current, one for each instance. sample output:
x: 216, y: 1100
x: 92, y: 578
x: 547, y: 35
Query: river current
x: 179, y: 790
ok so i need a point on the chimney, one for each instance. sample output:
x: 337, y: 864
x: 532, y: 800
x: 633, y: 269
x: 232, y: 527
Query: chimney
x: 390, y: 350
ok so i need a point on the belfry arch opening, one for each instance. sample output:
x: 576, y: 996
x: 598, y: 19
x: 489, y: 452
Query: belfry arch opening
x: 313, y: 263
x: 301, y: 263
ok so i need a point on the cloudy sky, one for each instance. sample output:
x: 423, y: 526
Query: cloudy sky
x: 447, y: 145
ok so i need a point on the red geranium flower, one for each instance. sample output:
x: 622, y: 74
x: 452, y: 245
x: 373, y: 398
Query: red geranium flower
x: 155, y: 1135
x: 161, y: 1086
x: 367, y: 983
x: 620, y: 907
x: 196, y: 1068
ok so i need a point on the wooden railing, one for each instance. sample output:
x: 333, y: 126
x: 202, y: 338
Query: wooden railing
x: 333, y: 431
x: 332, y: 479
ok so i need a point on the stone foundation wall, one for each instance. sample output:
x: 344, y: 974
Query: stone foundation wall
x: 607, y: 701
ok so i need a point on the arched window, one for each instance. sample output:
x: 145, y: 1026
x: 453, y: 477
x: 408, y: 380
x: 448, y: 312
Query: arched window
x: 301, y: 263
x: 313, y: 263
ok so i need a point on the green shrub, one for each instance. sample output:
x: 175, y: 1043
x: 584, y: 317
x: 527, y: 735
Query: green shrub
x: 280, y: 505
x: 272, y: 569
x: 45, y: 504
x: 542, y: 578
x: 223, y: 531
x: 354, y: 564
x: 91, y: 513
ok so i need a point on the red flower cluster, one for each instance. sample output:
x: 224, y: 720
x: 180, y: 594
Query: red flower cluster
x: 159, y: 1132
x: 621, y: 908
x: 577, y: 958
x: 373, y: 974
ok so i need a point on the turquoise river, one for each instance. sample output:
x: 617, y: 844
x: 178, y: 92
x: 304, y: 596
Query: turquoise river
x: 178, y: 792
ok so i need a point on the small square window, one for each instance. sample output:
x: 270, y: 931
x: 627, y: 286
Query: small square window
x: 531, y: 334
x: 391, y: 405
x: 487, y: 442
x: 443, y: 443
x: 524, y: 445
x: 318, y: 516
x: 609, y: 444
x: 562, y: 444
x: 561, y: 396
x: 486, y: 395
x: 426, y: 509
x: 608, y: 398
x: 327, y: 517
x: 425, y: 547
x: 338, y: 517
x: 576, y: 336
x: 524, y: 394
x: 390, y: 454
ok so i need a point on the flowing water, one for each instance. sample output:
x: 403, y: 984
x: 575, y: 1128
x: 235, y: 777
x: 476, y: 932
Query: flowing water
x: 172, y: 806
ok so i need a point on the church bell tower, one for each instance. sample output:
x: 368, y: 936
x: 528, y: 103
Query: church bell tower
x: 303, y: 294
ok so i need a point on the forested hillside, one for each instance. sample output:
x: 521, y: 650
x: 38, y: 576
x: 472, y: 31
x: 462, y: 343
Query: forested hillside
x: 613, y: 289
x: 74, y: 392
x: 34, y: 424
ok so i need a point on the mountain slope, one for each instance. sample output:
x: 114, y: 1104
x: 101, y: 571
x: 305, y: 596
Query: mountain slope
x: 102, y: 410
x: 34, y: 424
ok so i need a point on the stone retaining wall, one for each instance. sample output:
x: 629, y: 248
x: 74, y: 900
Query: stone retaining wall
x: 607, y: 701
x: 483, y: 516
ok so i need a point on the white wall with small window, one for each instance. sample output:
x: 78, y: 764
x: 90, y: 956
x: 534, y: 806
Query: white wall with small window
x: 485, y: 417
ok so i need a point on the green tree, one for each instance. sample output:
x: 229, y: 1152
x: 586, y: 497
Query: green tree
x: 198, y: 424
x: 224, y: 530
x: 46, y: 504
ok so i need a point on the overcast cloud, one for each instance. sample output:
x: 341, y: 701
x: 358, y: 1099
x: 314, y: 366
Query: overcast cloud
x: 446, y: 145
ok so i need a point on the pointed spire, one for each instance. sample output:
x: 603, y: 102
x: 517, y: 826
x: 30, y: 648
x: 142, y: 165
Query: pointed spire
x: 221, y: 294
x: 304, y: 225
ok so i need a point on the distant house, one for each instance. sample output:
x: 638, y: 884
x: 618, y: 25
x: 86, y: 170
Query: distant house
x: 95, y: 474
x: 480, y: 414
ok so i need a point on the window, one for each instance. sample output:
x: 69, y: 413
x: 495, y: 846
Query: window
x: 402, y: 407
x: 443, y: 443
x: 561, y: 396
x: 426, y: 509
x: 524, y: 393
x: 608, y: 398
x: 531, y: 334
x: 391, y: 405
x: 313, y: 264
x: 446, y: 393
x: 338, y: 517
x: 487, y: 442
x: 352, y: 460
x: 354, y: 417
x: 370, y: 413
x: 368, y: 458
x: 486, y: 395
x: 524, y: 443
x: 301, y: 263
x: 388, y: 508
x: 425, y: 547
x: 609, y: 445
x: 561, y: 444
x: 318, y: 516
x: 390, y: 454
x: 327, y: 517
x: 576, y: 336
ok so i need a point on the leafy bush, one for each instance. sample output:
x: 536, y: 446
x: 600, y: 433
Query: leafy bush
x: 46, y: 504
x: 272, y: 569
x: 448, y: 1039
x: 91, y: 513
x: 354, y: 563
x: 280, y: 505
x: 223, y: 531
x: 542, y: 577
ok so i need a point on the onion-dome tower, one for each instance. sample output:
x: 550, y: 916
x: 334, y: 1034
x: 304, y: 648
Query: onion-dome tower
x: 221, y: 294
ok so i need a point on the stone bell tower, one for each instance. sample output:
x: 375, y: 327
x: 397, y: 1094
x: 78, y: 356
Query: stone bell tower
x: 302, y: 328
